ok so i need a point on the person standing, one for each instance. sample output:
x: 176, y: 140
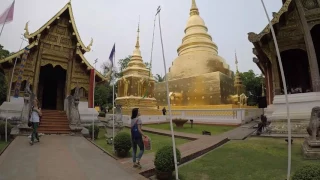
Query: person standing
x: 35, y: 119
x: 136, y: 137
x: 164, y: 111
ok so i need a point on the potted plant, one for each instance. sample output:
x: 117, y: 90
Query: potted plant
x: 308, y: 172
x: 122, y: 144
x: 164, y: 162
x: 3, y: 130
x: 179, y: 122
x: 96, y: 131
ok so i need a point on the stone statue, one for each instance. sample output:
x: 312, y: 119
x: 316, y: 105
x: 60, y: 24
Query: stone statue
x: 310, y: 147
x: 29, y: 97
x: 140, y: 87
x: 72, y: 110
x: 118, y: 124
x: 314, y: 124
x: 126, y: 86
x: 243, y: 99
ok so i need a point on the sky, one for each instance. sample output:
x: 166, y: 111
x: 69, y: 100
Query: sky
x: 109, y: 22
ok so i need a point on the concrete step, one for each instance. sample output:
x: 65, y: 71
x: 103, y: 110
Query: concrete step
x: 55, y: 131
x: 53, y: 123
x: 55, y: 128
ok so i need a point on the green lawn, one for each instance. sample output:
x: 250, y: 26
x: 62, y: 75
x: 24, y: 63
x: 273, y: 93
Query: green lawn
x: 197, y: 128
x: 3, y: 144
x: 157, y: 141
x: 251, y: 159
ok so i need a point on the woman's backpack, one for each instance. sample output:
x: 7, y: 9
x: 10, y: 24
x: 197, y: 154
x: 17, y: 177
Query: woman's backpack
x: 135, y: 131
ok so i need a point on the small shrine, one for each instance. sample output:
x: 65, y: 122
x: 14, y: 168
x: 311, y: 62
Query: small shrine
x: 136, y: 87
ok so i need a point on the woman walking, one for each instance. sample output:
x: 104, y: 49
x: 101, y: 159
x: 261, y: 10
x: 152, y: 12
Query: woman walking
x: 35, y: 119
x: 136, y: 136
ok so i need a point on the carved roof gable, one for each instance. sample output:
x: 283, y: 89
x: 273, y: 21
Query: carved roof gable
x: 67, y: 8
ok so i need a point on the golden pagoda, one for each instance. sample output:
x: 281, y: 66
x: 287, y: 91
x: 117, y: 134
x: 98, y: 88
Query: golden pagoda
x: 136, y: 87
x: 198, y: 76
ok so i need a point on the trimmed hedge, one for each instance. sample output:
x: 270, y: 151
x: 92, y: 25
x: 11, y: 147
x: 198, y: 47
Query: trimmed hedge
x: 122, y: 144
x: 96, y: 131
x: 308, y: 172
x: 102, y: 114
x: 3, y: 126
x: 164, y: 160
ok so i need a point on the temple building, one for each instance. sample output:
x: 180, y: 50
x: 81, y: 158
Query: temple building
x: 297, y: 28
x: 136, y: 87
x: 55, y: 65
x: 198, y: 76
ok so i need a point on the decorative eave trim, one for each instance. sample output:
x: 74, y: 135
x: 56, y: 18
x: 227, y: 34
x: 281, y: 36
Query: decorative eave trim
x: 253, y: 37
x: 19, y: 53
x: 57, y: 16
x: 89, y: 67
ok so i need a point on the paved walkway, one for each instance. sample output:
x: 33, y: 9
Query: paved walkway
x: 60, y: 158
x: 201, y: 144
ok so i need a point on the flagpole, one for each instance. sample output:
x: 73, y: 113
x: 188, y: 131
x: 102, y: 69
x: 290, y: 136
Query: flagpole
x: 284, y: 88
x: 113, y: 60
x: 6, y: 18
x: 168, y: 99
x: 94, y: 88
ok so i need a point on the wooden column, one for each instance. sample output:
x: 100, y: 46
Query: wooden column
x: 37, y: 72
x: 69, y: 73
x: 313, y: 63
x: 276, y: 75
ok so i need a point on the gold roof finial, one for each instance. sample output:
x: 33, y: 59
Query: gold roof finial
x: 236, y: 60
x: 69, y: 2
x: 194, y: 9
x: 137, y: 43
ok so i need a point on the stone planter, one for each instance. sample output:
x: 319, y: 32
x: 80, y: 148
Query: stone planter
x: 179, y: 122
x: 163, y: 175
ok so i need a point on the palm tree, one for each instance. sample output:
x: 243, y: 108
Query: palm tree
x: 159, y: 78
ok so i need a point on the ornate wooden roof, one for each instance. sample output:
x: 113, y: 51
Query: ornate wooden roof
x: 253, y: 37
x: 34, y: 39
x: 68, y: 8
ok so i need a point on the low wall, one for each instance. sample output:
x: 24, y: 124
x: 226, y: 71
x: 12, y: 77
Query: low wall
x: 217, y: 116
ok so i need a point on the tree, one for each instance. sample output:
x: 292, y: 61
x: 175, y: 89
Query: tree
x: 3, y: 88
x: 103, y: 96
x: 3, y: 52
x: 253, y: 83
x: 159, y: 78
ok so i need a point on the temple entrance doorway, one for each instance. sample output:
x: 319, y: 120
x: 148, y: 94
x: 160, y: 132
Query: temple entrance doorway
x: 296, y: 70
x: 52, y: 87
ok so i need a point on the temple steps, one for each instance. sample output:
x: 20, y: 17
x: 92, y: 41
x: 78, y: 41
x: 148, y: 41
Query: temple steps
x: 54, y: 122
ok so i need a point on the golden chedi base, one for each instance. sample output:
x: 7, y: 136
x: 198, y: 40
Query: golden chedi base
x: 147, y: 106
x: 206, y: 89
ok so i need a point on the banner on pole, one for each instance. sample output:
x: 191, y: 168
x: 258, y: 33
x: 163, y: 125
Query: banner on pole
x: 7, y: 15
x: 20, y: 72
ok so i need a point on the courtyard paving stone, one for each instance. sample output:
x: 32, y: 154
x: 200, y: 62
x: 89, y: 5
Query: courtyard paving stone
x: 60, y: 158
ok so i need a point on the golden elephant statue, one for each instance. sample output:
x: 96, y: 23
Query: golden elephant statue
x: 233, y: 99
x: 175, y: 98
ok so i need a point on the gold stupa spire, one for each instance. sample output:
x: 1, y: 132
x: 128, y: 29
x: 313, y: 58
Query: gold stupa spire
x: 194, y: 9
x: 138, y: 43
x: 137, y: 51
x: 236, y: 61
